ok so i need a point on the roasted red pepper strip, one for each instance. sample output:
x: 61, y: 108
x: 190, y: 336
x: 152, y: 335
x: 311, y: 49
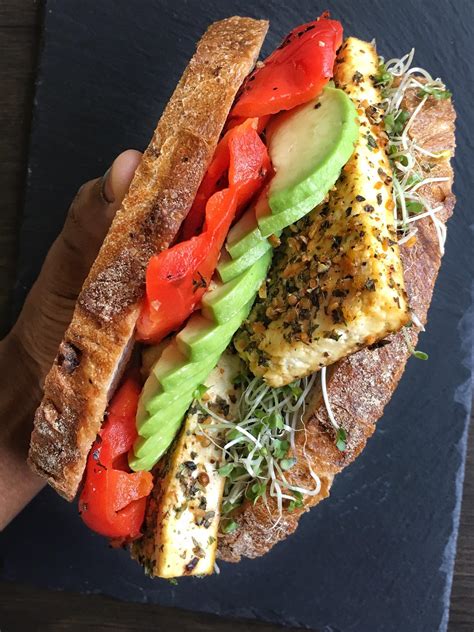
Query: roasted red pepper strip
x: 178, y: 281
x: 177, y: 278
x: 234, y: 121
x: 216, y: 176
x: 113, y: 499
x: 295, y: 73
x: 214, y: 180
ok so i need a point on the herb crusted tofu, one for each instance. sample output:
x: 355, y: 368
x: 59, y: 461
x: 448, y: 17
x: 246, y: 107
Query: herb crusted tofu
x: 336, y: 283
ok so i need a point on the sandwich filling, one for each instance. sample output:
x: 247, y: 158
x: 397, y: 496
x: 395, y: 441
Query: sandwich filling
x: 287, y: 262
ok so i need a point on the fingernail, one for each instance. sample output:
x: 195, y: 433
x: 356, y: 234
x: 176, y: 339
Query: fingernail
x: 106, y: 192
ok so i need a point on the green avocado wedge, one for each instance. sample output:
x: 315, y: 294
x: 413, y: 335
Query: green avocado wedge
x: 202, y: 337
x: 224, y: 300
x: 159, y: 399
x: 148, y: 451
x: 150, y: 389
x: 244, y: 236
x: 174, y: 369
x: 166, y: 416
x: 229, y: 268
x: 308, y: 148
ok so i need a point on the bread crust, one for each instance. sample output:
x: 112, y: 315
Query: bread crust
x: 100, y: 337
x: 360, y: 386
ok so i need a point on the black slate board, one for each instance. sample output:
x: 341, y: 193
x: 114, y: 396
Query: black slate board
x: 378, y: 555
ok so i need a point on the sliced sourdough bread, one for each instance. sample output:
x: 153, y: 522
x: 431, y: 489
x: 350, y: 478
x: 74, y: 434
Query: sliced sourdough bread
x: 99, y: 340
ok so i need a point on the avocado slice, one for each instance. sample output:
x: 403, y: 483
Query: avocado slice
x: 165, y: 416
x: 308, y: 147
x: 174, y: 369
x: 151, y: 390
x: 274, y: 223
x: 202, y: 337
x: 159, y: 398
x: 148, y: 451
x: 228, y: 268
x: 223, y: 301
x: 153, y: 397
x: 155, y: 411
x: 244, y: 236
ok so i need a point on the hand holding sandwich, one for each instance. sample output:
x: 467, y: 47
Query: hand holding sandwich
x: 27, y: 352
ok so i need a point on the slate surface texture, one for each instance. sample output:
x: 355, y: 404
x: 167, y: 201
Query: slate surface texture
x: 378, y: 555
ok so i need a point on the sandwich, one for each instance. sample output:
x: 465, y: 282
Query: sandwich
x: 256, y: 299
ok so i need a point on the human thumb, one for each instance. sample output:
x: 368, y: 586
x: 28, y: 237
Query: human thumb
x: 88, y: 221
x: 49, y: 306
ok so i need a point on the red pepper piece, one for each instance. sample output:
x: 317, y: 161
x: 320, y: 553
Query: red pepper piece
x: 177, y: 278
x: 293, y: 74
x: 113, y: 499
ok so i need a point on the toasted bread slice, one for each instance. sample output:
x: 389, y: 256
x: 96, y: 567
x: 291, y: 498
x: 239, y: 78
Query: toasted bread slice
x: 99, y: 339
x: 360, y: 386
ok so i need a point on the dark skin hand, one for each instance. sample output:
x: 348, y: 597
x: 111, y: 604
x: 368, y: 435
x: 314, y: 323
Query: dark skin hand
x: 27, y: 352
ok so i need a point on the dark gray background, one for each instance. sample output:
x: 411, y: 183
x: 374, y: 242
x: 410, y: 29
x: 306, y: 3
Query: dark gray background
x: 376, y: 556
